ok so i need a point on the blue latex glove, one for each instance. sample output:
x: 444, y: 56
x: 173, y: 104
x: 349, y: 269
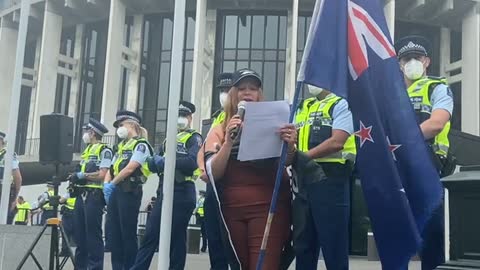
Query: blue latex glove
x: 80, y: 175
x: 108, y: 190
x: 156, y: 164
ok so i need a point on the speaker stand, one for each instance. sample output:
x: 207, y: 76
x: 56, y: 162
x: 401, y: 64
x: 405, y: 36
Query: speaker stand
x: 56, y: 262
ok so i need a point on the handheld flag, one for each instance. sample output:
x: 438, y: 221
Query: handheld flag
x: 349, y: 52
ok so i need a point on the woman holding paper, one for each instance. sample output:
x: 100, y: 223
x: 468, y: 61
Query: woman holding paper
x: 248, y: 186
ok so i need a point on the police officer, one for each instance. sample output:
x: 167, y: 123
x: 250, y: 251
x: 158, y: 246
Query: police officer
x: 23, y: 211
x: 67, y: 211
x: 123, y: 188
x: 47, y: 209
x: 16, y: 175
x: 200, y: 217
x: 88, y: 208
x: 189, y: 142
x: 432, y: 101
x: 225, y: 82
x: 321, y: 211
x: 218, y: 259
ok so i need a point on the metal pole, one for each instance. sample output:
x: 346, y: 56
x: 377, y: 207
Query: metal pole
x: 293, y: 52
x: 171, y: 145
x: 278, y: 182
x: 389, y: 9
x: 15, y: 104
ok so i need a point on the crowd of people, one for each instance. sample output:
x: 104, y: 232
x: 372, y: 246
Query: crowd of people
x: 234, y: 208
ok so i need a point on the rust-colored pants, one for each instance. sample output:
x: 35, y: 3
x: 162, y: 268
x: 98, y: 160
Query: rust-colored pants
x: 246, y: 226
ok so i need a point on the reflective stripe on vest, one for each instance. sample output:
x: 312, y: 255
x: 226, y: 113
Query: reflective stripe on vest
x: 420, y: 99
x: 22, y: 214
x: 200, y: 209
x: 314, y: 110
x: 219, y: 119
x: 47, y: 205
x: 124, y: 154
x: 70, y: 203
x: 90, y: 162
x: 182, y: 139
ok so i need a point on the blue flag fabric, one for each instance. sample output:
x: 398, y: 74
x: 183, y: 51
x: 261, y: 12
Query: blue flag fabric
x: 349, y: 51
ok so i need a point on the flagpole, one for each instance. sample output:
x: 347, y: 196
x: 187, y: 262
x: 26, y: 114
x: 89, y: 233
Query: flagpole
x: 278, y: 182
x: 14, y: 106
x: 170, y: 153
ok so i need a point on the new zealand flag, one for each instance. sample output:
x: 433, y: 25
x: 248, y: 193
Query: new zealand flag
x: 349, y: 52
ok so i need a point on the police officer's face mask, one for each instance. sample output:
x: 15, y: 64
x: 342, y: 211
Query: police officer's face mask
x: 182, y: 123
x: 314, y: 91
x: 413, y: 69
x: 122, y: 132
x: 86, y: 138
x: 223, y: 98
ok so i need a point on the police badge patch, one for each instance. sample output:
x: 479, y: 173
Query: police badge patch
x: 141, y: 148
x: 107, y: 155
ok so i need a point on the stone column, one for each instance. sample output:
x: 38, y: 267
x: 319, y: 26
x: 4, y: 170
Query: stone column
x: 205, y: 101
x: 8, y: 48
x: 113, y: 62
x: 47, y: 68
x: 77, y: 80
x: 134, y: 78
x: 198, y: 59
x: 471, y: 71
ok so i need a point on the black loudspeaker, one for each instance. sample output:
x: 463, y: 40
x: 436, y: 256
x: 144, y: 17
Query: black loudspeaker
x: 56, y: 139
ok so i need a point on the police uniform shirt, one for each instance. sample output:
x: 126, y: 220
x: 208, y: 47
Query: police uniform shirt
x: 141, y: 153
x: 342, y: 117
x: 15, y: 163
x: 45, y: 197
x: 189, y: 162
x: 106, y: 158
x: 442, y: 98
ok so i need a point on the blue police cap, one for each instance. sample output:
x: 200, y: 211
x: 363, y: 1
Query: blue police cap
x: 412, y: 46
x: 224, y: 80
x: 246, y: 73
x: 186, y: 108
x: 126, y: 115
x: 96, y: 126
x: 2, y: 135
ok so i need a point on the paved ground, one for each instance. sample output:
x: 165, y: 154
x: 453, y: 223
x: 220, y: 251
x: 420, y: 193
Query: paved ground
x: 200, y: 262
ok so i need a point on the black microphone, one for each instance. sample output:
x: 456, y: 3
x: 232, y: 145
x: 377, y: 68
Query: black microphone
x: 241, y: 113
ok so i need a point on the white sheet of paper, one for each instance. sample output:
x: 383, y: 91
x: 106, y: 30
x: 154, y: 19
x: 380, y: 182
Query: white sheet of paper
x: 260, y: 138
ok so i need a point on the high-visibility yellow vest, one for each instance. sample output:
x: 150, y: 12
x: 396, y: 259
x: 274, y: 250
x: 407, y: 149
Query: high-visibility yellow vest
x: 47, y: 205
x: 219, y: 119
x: 70, y: 203
x: 182, y: 139
x: 420, y: 92
x: 124, y: 154
x: 315, y: 117
x: 90, y: 162
x: 200, y: 209
x: 22, y: 213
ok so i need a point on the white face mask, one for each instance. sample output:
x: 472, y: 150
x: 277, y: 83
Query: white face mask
x: 315, y: 91
x: 413, y: 69
x: 86, y: 138
x: 223, y: 98
x: 122, y: 132
x: 182, y: 123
